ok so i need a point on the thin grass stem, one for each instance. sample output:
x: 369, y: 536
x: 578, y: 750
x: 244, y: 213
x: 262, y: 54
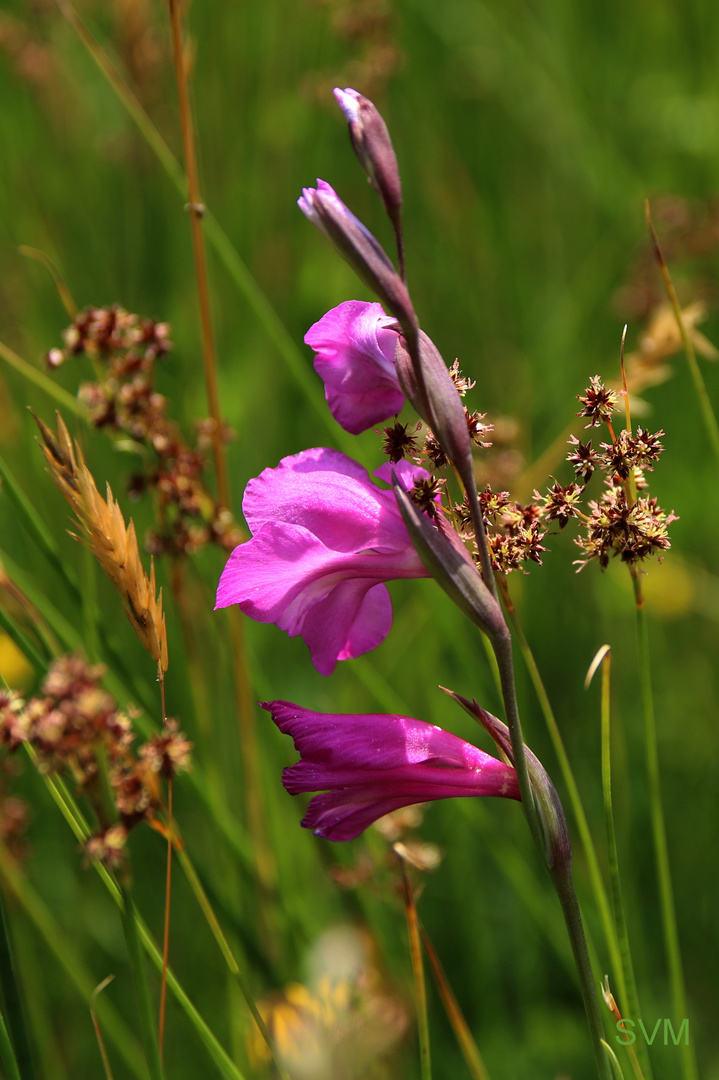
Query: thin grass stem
x: 705, y: 405
x: 235, y: 970
x: 98, y: 1032
x: 142, y: 990
x: 243, y: 691
x: 81, y: 830
x: 7, y: 1054
x: 464, y: 1037
x: 46, y: 927
x: 420, y: 987
x: 631, y: 1001
x: 42, y: 381
x: 196, y: 211
x: 661, y: 848
x: 166, y: 928
x: 575, y: 799
x: 12, y: 999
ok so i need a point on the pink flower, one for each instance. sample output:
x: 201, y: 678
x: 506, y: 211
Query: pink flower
x: 324, y: 539
x: 370, y: 764
x: 355, y: 360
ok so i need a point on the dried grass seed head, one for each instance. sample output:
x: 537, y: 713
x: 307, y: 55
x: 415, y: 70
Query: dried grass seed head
x: 113, y: 543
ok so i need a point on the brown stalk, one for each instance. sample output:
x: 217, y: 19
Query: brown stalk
x: 113, y: 543
x: 196, y: 209
x: 243, y: 695
x: 467, y: 1044
x: 166, y: 931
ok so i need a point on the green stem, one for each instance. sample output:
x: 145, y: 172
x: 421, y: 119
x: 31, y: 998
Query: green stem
x: 144, y: 1004
x: 564, y: 885
x: 585, y: 835
x: 420, y: 987
x: 629, y: 997
x: 661, y: 849
x: 81, y: 830
x: 46, y: 927
x: 42, y: 381
x: 502, y: 646
x: 7, y: 1054
x: 560, y: 873
x: 13, y: 1005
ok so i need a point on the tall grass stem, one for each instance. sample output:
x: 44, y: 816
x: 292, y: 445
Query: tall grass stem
x: 630, y: 1003
x: 661, y: 848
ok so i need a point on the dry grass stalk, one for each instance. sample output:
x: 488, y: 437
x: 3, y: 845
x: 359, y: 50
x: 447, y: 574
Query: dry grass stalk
x: 113, y: 544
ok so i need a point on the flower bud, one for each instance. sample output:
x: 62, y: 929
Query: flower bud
x: 373, y: 146
x: 426, y: 381
x: 355, y: 243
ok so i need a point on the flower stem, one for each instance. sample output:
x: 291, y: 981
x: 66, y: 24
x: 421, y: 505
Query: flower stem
x: 465, y: 1039
x: 661, y: 849
x: 420, y: 988
x: 17, y: 1037
x: 147, y: 1025
x: 562, y: 878
x: 630, y: 997
x: 585, y: 835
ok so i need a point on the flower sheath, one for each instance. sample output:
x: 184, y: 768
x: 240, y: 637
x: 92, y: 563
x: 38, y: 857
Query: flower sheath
x: 370, y: 764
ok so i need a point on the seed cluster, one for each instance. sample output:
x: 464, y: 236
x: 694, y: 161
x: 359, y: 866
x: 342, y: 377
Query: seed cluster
x: 76, y: 730
x: 123, y: 401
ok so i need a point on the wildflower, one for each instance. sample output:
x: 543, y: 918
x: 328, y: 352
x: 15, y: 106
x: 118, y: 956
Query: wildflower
x: 583, y: 460
x: 324, y: 539
x: 629, y: 452
x: 355, y: 360
x: 560, y: 503
x: 399, y: 442
x: 371, y: 764
x: 169, y: 752
x: 108, y: 846
x: 616, y: 527
x: 599, y: 402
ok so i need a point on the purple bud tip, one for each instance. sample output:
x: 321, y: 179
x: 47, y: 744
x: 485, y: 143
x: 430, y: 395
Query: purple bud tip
x: 348, y: 101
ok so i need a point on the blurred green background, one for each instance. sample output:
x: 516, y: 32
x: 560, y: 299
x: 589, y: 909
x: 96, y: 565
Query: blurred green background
x: 529, y: 135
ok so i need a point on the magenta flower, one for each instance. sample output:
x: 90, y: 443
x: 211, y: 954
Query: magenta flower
x: 355, y: 360
x: 324, y: 539
x: 372, y: 763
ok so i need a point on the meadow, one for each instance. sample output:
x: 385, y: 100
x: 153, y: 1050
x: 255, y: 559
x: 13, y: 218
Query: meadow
x: 529, y: 137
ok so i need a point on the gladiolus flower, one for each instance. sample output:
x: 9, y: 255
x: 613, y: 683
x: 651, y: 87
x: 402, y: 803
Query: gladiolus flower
x: 324, y: 540
x: 370, y: 764
x: 355, y: 360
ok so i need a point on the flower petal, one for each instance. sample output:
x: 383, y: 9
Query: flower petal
x: 373, y: 763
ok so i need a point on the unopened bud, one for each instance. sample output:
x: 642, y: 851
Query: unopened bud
x: 373, y: 146
x: 355, y: 243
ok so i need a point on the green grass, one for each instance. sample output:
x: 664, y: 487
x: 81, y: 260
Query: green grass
x: 528, y: 137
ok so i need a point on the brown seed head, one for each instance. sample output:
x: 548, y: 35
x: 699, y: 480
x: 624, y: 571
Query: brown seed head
x: 113, y: 543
